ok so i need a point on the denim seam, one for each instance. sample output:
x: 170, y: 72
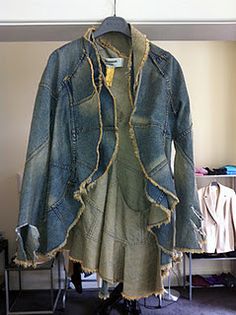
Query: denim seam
x: 73, y: 136
x: 162, y: 55
x: 130, y: 167
x: 93, y: 204
x: 72, y: 73
x: 166, y: 123
x: 62, y: 166
x: 61, y: 85
x: 148, y: 125
x: 92, y: 227
x: 38, y: 149
x: 79, y: 63
x: 83, y: 100
x: 45, y: 85
x: 125, y: 201
x: 183, y: 133
x: 158, y: 167
x: 168, y: 89
x: 60, y: 198
x: 185, y: 155
x: 89, y: 166
x: 58, y: 213
x: 156, y: 64
x: 165, y: 76
x: 85, y: 129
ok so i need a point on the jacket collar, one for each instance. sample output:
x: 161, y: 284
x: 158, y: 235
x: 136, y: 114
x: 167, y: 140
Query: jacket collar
x: 140, y: 48
x: 214, y: 207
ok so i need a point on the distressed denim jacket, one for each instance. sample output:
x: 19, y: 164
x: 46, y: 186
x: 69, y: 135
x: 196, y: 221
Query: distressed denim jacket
x: 71, y: 145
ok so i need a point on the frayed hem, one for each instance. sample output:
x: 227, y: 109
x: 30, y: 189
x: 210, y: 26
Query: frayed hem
x: 136, y: 152
x: 93, y: 270
x: 25, y: 263
x: 165, y: 270
x: 190, y: 250
x: 84, y: 269
x: 142, y: 296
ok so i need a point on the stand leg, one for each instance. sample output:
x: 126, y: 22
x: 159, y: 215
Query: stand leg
x: 59, y: 270
x: 19, y: 274
x: 169, y: 285
x: 7, y: 291
x: 115, y: 297
x: 190, y: 276
x: 51, y: 278
x: 160, y: 300
x: 184, y: 270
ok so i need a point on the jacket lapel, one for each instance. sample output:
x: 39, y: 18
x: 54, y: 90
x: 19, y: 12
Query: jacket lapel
x: 209, y: 202
x: 221, y: 200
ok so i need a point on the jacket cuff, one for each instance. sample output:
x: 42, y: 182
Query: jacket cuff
x: 27, y: 245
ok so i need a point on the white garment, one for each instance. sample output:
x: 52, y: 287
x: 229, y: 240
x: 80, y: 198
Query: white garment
x: 218, y: 207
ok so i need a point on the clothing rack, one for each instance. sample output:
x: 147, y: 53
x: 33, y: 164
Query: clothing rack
x: 190, y: 291
x: 233, y: 186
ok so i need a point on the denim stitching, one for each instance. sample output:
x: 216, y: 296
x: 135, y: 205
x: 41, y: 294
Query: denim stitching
x: 148, y: 125
x: 60, y: 199
x: 73, y: 137
x: 83, y: 100
x: 45, y: 85
x: 93, y: 204
x: 184, y: 133
x: 37, y: 149
x: 62, y: 166
x: 185, y: 155
x: 159, y: 167
x: 89, y: 166
x: 130, y: 167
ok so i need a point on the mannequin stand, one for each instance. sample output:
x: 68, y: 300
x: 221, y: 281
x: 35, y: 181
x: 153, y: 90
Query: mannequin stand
x: 127, y: 307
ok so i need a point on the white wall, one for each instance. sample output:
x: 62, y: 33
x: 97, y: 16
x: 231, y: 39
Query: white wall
x: 210, y: 71
x: 133, y: 10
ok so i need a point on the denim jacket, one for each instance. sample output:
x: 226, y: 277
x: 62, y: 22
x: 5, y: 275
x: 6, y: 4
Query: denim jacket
x: 67, y: 151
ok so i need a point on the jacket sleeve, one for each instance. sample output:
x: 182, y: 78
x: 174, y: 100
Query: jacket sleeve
x: 188, y: 229
x: 34, y: 184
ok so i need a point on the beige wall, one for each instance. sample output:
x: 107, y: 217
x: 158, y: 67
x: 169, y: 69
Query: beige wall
x: 210, y: 71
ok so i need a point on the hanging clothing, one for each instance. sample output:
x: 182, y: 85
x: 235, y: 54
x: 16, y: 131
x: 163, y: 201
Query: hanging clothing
x: 111, y: 236
x: 218, y: 207
x: 97, y: 176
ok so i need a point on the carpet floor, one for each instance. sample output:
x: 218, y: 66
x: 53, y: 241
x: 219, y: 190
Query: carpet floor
x: 211, y: 301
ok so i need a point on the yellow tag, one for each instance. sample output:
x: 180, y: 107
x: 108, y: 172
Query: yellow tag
x: 109, y: 75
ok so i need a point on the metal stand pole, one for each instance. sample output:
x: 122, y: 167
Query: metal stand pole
x: 184, y: 271
x: 190, y: 276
